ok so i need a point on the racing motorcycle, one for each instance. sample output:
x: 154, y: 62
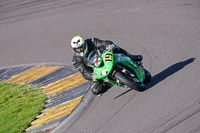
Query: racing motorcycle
x: 118, y: 69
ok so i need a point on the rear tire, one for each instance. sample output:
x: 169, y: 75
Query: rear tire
x: 147, y: 76
x: 129, y: 82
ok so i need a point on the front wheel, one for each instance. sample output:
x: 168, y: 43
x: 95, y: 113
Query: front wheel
x: 129, y: 82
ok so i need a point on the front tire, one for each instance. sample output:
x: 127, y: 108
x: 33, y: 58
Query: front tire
x: 129, y: 82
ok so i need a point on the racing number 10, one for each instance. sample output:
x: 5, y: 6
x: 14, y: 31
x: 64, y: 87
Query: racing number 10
x: 108, y: 57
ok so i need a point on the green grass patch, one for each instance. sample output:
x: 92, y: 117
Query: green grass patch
x: 19, y: 105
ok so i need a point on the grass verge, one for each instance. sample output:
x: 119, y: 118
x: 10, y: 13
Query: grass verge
x: 19, y: 105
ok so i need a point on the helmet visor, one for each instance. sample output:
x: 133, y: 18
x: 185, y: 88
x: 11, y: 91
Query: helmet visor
x: 80, y: 49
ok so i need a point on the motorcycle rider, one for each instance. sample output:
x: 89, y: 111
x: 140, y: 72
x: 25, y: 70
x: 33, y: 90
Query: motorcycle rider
x: 83, y: 47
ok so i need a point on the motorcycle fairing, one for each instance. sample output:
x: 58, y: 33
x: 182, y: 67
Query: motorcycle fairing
x: 109, y: 60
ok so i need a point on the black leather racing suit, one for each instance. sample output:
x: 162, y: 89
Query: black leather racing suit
x: 80, y: 63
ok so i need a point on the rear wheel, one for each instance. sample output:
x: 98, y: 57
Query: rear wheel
x: 129, y: 82
x: 147, y: 76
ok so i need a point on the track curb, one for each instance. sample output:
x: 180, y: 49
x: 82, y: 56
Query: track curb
x: 59, y: 104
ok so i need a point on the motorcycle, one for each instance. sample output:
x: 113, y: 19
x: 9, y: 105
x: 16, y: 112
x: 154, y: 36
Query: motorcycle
x: 118, y: 69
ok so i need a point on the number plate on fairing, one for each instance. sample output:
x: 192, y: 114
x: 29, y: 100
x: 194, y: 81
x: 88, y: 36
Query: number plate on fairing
x: 108, y: 57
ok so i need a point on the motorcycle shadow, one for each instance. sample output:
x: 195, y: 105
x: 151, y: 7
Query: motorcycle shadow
x: 164, y: 74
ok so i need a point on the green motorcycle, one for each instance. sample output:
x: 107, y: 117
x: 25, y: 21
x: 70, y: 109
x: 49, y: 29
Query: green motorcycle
x: 118, y: 69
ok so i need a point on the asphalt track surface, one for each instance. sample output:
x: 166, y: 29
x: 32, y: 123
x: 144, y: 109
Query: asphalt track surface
x: 166, y: 33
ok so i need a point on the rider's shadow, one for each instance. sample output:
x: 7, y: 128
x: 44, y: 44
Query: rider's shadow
x: 164, y: 74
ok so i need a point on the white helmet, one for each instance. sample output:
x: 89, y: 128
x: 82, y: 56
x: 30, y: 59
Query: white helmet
x: 79, y: 45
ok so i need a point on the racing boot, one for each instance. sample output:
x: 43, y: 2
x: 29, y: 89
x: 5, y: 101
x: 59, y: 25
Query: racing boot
x: 136, y: 58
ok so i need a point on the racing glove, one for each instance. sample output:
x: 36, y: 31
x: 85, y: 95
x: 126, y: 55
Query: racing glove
x: 111, y: 47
